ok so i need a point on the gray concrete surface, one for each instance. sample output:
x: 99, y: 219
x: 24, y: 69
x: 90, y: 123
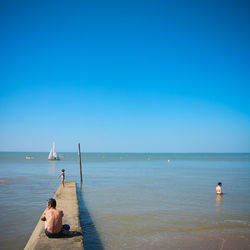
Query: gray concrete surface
x: 66, y: 198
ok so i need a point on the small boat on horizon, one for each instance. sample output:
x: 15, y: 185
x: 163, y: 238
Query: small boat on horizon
x: 53, y: 155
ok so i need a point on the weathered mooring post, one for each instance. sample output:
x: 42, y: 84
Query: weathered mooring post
x: 80, y: 160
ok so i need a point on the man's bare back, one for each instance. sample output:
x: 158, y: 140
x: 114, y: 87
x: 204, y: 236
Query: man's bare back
x: 53, y: 219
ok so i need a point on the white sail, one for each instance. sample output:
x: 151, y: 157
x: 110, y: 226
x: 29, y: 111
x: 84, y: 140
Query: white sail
x: 54, y: 151
x: 50, y: 155
x: 53, y: 154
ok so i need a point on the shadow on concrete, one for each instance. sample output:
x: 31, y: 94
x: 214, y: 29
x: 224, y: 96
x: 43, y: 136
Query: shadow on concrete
x: 71, y: 234
x: 91, y: 237
x: 64, y: 234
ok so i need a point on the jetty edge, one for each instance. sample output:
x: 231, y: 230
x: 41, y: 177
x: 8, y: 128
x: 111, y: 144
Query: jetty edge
x: 66, y: 200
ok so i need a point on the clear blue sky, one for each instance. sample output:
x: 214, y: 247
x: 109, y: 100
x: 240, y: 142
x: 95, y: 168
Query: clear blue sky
x: 125, y: 76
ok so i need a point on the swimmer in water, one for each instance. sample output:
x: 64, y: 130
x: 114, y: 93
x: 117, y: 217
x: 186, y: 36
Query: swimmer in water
x: 218, y: 188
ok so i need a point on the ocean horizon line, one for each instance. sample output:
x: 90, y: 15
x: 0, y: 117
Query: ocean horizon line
x: 110, y: 152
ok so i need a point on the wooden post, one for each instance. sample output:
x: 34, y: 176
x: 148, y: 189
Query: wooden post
x: 80, y: 161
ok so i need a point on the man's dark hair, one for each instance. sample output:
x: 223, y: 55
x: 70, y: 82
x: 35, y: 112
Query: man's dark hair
x: 52, y: 202
x: 219, y: 183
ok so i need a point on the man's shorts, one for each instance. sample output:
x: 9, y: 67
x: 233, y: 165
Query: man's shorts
x: 64, y: 230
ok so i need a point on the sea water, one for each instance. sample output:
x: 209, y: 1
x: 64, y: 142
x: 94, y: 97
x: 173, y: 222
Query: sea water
x: 129, y: 201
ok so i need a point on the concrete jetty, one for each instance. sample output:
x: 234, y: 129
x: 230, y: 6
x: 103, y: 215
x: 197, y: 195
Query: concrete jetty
x: 66, y: 198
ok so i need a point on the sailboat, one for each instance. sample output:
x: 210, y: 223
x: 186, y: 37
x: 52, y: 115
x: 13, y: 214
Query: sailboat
x: 52, y: 155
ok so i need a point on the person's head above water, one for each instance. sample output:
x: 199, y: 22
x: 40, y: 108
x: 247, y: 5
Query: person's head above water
x: 219, y: 183
x: 63, y: 170
x: 51, y: 202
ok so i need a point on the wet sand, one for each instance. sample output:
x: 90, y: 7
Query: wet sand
x: 208, y: 240
x: 212, y: 240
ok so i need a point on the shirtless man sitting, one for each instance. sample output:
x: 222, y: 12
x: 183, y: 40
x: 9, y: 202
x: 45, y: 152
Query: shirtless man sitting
x: 53, y: 220
x: 218, y: 188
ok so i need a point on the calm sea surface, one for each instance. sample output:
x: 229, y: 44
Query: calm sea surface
x: 129, y: 201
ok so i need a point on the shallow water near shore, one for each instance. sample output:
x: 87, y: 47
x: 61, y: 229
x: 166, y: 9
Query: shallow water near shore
x: 132, y: 201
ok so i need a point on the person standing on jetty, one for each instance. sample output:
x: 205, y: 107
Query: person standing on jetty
x: 53, y: 220
x: 62, y: 175
x: 218, y: 188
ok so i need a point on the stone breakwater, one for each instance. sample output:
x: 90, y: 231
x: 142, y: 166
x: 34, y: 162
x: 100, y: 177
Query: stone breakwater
x: 66, y: 198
